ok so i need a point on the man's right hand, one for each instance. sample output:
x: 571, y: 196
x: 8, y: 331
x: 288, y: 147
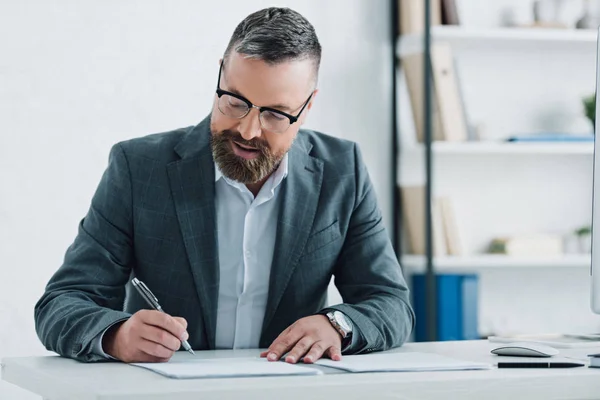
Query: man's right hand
x: 148, y: 336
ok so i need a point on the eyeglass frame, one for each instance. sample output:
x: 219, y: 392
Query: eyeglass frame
x: 292, y: 118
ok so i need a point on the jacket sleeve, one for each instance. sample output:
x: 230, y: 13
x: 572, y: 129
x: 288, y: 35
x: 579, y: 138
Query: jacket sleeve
x: 369, y: 278
x: 86, y: 295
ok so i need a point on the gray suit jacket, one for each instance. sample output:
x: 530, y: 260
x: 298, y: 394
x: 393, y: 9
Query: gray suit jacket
x: 153, y: 216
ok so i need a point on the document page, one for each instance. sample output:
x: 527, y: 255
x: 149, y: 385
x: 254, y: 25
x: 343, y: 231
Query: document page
x: 401, y: 362
x: 226, y: 368
x: 557, y: 340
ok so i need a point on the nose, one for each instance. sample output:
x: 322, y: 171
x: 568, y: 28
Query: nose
x: 250, y: 125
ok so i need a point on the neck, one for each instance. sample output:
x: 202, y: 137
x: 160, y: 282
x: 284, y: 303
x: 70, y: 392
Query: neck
x: 255, y: 187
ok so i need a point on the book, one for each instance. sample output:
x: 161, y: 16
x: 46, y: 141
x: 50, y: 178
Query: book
x: 447, y: 93
x: 412, y: 15
x: 412, y: 65
x: 449, y: 121
x: 450, y: 224
x: 450, y: 14
x: 413, y: 205
x: 531, y: 245
x: 551, y: 137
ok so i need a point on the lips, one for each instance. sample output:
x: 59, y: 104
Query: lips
x: 243, y: 151
x: 246, y: 147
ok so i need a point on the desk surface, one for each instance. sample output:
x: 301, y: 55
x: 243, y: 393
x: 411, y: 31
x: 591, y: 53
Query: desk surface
x: 58, y: 378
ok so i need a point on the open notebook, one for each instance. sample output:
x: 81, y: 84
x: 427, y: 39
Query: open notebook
x: 402, y: 362
x: 225, y: 368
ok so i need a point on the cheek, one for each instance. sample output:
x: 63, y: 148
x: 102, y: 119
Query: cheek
x: 219, y: 122
x: 280, y: 143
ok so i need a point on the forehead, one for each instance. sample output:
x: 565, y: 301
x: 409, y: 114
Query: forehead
x: 286, y: 83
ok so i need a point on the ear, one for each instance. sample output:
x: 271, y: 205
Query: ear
x: 310, y: 103
x: 220, y: 61
x: 308, y: 107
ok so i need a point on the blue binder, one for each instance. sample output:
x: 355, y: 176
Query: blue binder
x: 551, y: 137
x: 457, y: 298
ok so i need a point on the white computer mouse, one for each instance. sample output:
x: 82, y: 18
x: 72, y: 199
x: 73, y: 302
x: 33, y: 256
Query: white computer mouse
x: 525, y: 349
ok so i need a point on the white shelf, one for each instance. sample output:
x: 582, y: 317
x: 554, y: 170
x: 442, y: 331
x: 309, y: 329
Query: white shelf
x: 513, y: 37
x: 502, y: 148
x: 487, y: 261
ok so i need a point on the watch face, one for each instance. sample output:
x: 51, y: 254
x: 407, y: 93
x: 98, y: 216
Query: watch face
x: 342, y: 321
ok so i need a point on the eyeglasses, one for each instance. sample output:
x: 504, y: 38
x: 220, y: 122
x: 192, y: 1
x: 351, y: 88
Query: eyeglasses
x: 235, y: 106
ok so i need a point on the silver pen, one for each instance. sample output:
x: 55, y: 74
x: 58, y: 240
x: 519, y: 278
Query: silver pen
x: 153, y: 302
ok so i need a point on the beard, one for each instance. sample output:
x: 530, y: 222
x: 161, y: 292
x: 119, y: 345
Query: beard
x: 238, y: 168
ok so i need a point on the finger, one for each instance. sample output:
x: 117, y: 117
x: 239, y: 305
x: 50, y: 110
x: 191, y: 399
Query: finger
x: 182, y: 321
x: 316, y: 351
x: 141, y: 357
x: 160, y: 336
x: 166, y: 322
x: 155, y: 349
x: 334, y: 353
x: 283, y: 344
x: 299, y: 350
x: 264, y: 353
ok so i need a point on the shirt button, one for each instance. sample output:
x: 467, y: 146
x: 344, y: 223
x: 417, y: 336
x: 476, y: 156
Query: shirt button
x: 248, y: 253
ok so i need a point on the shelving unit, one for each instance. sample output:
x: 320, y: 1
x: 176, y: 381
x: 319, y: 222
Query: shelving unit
x: 514, y: 81
x: 505, y: 148
x: 450, y: 264
x: 459, y: 37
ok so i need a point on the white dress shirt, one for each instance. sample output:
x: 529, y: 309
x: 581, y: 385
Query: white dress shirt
x: 247, y: 227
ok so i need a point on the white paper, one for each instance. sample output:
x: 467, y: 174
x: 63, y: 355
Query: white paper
x: 225, y: 368
x: 401, y: 362
x: 557, y: 340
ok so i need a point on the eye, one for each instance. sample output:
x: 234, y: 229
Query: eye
x: 273, y: 116
x: 235, y: 102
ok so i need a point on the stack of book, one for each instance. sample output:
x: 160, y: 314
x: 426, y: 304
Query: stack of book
x: 445, y: 234
x: 448, y: 114
x: 411, y: 14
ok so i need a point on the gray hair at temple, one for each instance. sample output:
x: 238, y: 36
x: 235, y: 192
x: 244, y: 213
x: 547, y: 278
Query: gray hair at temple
x: 275, y: 35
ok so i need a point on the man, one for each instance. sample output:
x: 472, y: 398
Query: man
x: 236, y: 225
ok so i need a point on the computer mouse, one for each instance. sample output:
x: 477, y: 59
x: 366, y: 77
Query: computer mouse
x: 525, y: 349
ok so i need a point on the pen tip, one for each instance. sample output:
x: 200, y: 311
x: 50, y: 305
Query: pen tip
x: 192, y: 351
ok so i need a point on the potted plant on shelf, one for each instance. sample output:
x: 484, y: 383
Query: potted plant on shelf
x: 584, y: 237
x: 589, y: 104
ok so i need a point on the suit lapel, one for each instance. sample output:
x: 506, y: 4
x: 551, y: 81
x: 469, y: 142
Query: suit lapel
x: 192, y: 180
x: 301, y: 191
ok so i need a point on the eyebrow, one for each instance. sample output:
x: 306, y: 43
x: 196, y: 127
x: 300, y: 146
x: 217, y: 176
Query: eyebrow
x: 280, y: 107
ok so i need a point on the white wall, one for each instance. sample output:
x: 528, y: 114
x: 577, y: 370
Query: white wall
x: 76, y: 77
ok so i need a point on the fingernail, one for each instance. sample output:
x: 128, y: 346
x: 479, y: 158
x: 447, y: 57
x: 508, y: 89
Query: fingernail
x: 185, y: 336
x: 308, y: 358
x: 272, y: 357
x: 291, y: 359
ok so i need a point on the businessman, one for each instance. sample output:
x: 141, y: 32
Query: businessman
x: 237, y: 225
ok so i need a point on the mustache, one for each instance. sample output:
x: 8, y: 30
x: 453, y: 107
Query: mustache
x: 256, y: 143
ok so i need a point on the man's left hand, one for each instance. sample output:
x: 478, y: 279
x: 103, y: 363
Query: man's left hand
x: 310, y: 337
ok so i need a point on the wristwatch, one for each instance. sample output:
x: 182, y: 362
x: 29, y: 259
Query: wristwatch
x: 341, y: 324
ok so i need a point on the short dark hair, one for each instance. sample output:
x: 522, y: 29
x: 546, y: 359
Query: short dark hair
x: 276, y: 35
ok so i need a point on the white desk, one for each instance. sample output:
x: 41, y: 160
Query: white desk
x: 56, y: 378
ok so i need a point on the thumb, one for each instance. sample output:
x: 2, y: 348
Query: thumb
x: 181, y: 321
